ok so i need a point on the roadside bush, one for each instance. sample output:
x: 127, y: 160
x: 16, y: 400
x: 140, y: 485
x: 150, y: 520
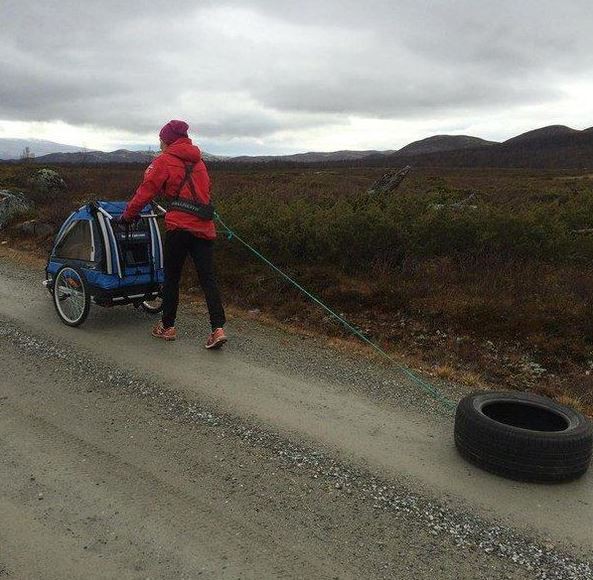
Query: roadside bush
x: 352, y: 231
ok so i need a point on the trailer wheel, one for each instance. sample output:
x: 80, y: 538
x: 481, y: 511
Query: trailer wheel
x: 523, y: 436
x: 71, y: 296
x: 152, y: 306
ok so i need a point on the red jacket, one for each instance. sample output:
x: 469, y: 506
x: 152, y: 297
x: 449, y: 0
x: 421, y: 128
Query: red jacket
x: 164, y: 176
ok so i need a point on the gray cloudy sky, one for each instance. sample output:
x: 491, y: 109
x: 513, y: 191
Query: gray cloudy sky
x: 276, y: 76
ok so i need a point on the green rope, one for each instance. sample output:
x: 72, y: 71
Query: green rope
x: 431, y: 390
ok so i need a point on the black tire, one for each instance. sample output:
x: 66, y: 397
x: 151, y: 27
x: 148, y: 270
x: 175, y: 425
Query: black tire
x: 78, y: 314
x: 523, y: 436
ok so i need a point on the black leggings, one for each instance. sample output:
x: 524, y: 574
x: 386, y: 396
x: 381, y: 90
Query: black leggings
x: 178, y: 243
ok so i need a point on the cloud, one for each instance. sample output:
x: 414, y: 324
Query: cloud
x: 257, y: 71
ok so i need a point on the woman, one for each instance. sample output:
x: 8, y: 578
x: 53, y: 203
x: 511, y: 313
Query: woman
x: 180, y: 174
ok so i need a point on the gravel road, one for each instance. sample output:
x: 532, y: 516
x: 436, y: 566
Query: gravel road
x: 122, y: 457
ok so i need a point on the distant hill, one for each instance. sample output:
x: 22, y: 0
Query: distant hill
x: 554, y: 147
x: 13, y: 148
x: 552, y: 132
x: 444, y: 143
x: 94, y: 157
x: 100, y: 157
x: 310, y: 157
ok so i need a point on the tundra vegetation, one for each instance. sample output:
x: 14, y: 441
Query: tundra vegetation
x: 478, y: 275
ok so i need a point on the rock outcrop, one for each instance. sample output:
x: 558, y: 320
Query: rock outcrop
x: 389, y: 182
x: 12, y: 205
x: 47, y: 183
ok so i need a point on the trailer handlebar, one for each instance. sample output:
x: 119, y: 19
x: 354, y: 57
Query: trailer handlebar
x: 162, y: 211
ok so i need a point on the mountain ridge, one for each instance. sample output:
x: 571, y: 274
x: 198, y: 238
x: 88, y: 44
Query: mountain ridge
x: 100, y: 157
x: 553, y: 146
x: 14, y: 148
x: 444, y: 143
x: 550, y: 131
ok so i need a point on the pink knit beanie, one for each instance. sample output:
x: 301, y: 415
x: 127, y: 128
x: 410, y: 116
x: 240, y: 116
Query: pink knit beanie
x: 173, y: 130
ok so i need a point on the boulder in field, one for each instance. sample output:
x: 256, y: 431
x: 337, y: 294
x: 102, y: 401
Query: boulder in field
x: 12, y: 205
x: 389, y: 182
x: 47, y: 183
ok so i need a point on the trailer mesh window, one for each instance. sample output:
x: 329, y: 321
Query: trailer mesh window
x: 77, y: 243
x: 134, y: 243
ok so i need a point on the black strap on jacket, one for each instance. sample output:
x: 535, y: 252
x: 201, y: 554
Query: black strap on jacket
x: 187, y: 178
x: 195, y: 207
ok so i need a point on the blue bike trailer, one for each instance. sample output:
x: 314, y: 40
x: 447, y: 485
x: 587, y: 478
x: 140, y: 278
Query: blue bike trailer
x: 95, y: 258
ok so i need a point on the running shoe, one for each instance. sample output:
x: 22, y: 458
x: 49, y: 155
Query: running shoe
x: 216, y: 339
x: 159, y: 331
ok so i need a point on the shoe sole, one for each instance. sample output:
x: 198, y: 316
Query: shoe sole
x: 217, y: 344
